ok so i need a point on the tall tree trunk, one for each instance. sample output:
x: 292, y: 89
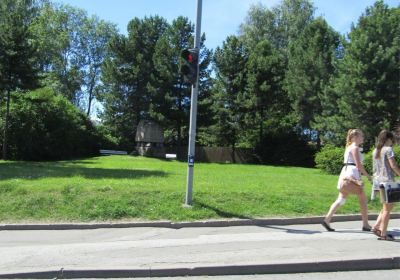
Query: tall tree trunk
x: 5, y: 132
x: 90, y: 100
x: 90, y: 96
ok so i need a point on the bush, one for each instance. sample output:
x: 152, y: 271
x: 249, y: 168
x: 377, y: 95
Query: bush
x: 46, y: 126
x: 285, y: 148
x: 368, y: 161
x: 330, y: 159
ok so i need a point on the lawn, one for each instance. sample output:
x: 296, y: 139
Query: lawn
x: 137, y: 188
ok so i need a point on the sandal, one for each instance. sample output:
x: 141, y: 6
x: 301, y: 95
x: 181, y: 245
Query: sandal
x: 387, y: 237
x: 326, y: 226
x: 366, y: 228
x: 377, y: 232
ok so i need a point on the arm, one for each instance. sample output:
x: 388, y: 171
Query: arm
x: 394, y: 166
x: 360, y: 167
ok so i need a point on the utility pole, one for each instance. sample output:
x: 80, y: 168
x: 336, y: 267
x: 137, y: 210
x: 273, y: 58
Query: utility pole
x: 193, y: 113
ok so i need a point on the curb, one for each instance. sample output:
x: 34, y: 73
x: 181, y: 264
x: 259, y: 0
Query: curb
x: 179, y: 225
x: 329, y: 266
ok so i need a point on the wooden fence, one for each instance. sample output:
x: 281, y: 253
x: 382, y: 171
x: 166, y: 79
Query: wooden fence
x: 216, y: 154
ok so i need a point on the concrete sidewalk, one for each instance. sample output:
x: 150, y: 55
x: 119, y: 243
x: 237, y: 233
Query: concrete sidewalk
x: 151, y: 251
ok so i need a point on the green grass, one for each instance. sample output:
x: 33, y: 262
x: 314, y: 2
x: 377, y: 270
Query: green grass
x: 137, y: 188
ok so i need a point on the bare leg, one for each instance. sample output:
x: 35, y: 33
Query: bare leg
x: 364, y: 209
x: 335, y: 206
x: 387, y: 207
x: 378, y: 220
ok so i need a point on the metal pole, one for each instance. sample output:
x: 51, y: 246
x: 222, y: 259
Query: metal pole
x: 193, y: 114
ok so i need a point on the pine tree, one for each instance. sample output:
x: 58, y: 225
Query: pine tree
x: 365, y: 92
x: 127, y: 76
x: 264, y: 97
x: 18, y: 56
x: 310, y: 67
x: 230, y: 83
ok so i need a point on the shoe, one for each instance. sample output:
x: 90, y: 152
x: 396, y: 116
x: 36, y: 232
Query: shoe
x: 326, y: 226
x: 366, y: 228
x: 387, y: 237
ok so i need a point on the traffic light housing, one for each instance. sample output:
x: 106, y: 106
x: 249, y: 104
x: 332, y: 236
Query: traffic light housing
x: 189, y: 65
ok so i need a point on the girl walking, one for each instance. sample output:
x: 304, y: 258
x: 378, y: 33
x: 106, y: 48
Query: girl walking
x: 350, y: 179
x: 385, y: 168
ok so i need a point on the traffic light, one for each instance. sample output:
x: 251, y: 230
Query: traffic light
x: 190, y: 58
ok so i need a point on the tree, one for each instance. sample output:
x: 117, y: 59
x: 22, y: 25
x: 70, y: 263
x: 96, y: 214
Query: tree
x: 279, y: 25
x: 365, y: 91
x: 58, y: 32
x: 73, y: 47
x: 230, y: 83
x: 96, y: 34
x: 310, y: 68
x: 18, y: 56
x: 127, y: 74
x: 171, y: 96
x: 264, y: 96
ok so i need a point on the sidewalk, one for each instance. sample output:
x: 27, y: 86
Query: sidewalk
x: 155, y: 251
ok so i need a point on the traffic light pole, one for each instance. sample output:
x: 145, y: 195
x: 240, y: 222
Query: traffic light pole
x: 193, y: 114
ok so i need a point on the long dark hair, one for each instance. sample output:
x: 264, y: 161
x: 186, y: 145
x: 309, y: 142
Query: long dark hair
x: 383, y: 136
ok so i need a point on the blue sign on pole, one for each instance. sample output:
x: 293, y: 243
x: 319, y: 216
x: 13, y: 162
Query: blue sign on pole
x: 191, y: 160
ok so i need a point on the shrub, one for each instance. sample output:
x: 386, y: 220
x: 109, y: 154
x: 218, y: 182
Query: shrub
x: 368, y: 161
x: 330, y: 159
x: 285, y: 148
x: 46, y: 126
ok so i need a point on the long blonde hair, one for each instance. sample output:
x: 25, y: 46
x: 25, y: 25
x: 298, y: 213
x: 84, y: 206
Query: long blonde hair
x: 351, y: 134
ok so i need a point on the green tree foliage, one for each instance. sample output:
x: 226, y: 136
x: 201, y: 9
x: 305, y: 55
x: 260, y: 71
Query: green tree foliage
x: 310, y: 68
x: 46, y: 126
x: 279, y: 25
x: 229, y: 89
x: 142, y: 79
x: 127, y: 75
x: 96, y: 34
x: 18, y: 56
x: 264, y: 98
x: 171, y: 96
x: 72, y: 48
x: 58, y: 33
x: 365, y: 92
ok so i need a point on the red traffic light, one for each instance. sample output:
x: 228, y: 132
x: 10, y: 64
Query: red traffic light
x: 188, y: 55
x: 189, y: 65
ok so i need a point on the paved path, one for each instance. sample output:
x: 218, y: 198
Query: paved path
x: 194, y: 251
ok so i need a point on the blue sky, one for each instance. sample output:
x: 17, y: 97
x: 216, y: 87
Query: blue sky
x: 221, y: 18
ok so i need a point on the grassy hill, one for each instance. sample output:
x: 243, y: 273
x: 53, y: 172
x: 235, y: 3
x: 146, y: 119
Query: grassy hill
x: 137, y: 188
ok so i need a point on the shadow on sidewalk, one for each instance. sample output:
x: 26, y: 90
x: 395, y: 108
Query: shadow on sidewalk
x: 226, y: 214
x: 293, y: 231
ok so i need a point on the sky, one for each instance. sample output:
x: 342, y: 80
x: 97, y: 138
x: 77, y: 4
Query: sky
x: 220, y: 18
